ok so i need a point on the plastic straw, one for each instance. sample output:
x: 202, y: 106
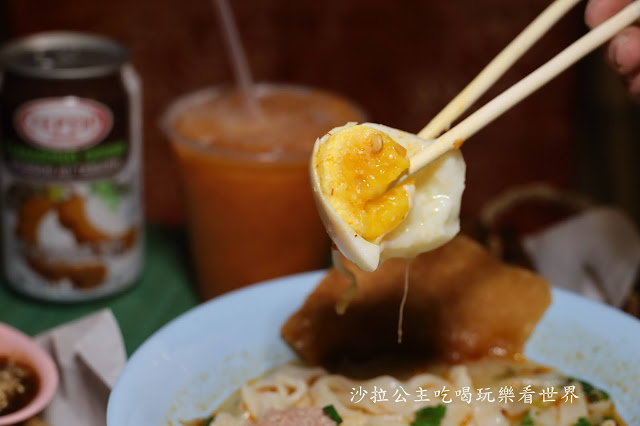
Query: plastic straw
x: 238, y: 57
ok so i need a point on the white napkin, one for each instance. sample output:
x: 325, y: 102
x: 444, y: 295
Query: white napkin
x: 596, y: 253
x: 89, y: 354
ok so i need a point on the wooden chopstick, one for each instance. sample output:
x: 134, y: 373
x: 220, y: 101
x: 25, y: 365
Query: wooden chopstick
x: 496, y: 68
x: 455, y: 137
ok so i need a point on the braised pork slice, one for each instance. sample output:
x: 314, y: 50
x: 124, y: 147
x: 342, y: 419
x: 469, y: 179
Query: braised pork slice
x: 462, y: 304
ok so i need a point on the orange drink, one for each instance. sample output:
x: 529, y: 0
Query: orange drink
x: 251, y: 214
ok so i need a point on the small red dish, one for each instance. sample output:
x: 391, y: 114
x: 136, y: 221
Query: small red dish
x: 20, y: 347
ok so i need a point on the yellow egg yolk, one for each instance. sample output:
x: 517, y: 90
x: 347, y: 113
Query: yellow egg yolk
x: 355, y: 166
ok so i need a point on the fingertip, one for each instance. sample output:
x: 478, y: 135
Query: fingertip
x: 598, y: 11
x: 612, y: 53
x: 592, y: 14
x: 624, y: 51
x: 633, y: 84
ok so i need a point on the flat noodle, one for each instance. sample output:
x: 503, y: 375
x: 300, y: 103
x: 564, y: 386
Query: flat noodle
x: 464, y: 304
x: 293, y: 395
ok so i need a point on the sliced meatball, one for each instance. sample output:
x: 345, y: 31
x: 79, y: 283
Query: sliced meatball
x: 307, y: 416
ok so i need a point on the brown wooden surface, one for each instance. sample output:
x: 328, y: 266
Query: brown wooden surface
x: 401, y: 60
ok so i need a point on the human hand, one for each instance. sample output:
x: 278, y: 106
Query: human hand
x: 623, y: 51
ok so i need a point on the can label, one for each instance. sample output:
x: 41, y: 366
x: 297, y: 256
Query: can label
x: 71, y: 195
x: 64, y: 139
x: 63, y: 124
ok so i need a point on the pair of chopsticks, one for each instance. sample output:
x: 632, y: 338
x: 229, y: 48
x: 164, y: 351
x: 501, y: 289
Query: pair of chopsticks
x: 454, y: 138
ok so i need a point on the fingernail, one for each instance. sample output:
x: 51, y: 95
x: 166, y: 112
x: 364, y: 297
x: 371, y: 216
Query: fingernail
x: 614, y: 49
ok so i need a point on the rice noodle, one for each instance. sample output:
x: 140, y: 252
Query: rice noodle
x: 298, y: 386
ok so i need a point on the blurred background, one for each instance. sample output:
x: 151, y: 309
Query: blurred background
x: 570, y: 146
x: 402, y: 61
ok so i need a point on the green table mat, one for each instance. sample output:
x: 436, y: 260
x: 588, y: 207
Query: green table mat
x: 164, y: 291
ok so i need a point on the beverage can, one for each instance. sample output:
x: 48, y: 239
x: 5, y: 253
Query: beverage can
x: 70, y: 142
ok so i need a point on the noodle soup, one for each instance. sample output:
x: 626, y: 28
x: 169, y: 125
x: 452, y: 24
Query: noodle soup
x: 485, y: 392
x: 186, y: 371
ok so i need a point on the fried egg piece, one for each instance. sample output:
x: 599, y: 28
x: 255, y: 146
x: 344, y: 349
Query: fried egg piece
x: 352, y: 168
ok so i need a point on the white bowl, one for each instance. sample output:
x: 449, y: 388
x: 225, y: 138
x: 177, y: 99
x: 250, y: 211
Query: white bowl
x: 187, y: 368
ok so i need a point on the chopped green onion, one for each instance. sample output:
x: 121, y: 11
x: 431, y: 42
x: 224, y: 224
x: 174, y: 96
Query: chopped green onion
x: 430, y: 416
x: 582, y: 421
x: 527, y: 420
x: 208, y: 420
x: 593, y: 393
x: 330, y: 411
